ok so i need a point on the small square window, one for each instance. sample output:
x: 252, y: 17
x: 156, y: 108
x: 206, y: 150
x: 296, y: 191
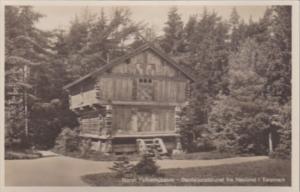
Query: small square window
x: 145, y: 80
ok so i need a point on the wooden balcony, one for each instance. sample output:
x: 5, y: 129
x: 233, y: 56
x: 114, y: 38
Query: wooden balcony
x: 84, y: 99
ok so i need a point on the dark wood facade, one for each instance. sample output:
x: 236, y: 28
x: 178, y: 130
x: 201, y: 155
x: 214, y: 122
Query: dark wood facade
x: 135, y: 96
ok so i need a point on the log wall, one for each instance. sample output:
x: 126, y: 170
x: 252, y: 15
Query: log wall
x: 137, y: 120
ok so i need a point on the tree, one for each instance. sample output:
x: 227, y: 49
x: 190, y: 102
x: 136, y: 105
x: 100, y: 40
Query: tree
x: 24, y: 51
x: 235, y: 117
x: 94, y: 42
x: 208, y: 57
x: 42, y: 107
x: 236, y: 30
x: 278, y: 51
x: 173, y: 41
x: 189, y: 32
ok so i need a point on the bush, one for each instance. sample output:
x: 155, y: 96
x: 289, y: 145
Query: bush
x: 122, y: 167
x: 67, y: 141
x: 146, y: 166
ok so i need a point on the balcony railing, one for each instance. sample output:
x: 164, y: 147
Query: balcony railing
x: 84, y: 99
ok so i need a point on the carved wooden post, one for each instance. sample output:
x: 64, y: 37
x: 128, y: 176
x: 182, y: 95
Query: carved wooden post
x: 108, y: 128
x: 80, y: 124
x: 177, y: 119
x: 108, y: 119
x: 98, y: 91
x: 177, y: 129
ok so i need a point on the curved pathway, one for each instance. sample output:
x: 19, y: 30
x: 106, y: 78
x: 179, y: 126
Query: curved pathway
x: 66, y: 171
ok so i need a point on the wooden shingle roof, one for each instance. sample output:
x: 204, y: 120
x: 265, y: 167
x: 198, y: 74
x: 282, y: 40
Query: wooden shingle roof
x: 121, y: 59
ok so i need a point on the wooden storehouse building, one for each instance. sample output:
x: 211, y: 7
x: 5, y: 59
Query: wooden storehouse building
x: 131, y: 104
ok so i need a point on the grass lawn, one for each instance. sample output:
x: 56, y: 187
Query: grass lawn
x: 271, y: 172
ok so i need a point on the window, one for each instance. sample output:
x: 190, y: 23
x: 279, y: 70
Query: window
x: 145, y: 80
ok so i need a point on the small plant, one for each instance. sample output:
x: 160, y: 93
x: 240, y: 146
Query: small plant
x: 122, y: 167
x: 146, y: 166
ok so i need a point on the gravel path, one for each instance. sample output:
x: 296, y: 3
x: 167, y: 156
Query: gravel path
x: 66, y: 171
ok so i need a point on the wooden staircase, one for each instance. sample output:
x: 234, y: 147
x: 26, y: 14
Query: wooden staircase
x: 153, y: 147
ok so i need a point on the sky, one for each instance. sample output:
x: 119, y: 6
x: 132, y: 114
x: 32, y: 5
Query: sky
x: 59, y: 17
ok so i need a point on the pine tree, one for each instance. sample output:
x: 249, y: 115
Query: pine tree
x: 234, y: 22
x: 209, y: 59
x: 93, y: 42
x: 173, y: 41
x: 39, y: 88
x: 189, y: 32
x: 24, y: 51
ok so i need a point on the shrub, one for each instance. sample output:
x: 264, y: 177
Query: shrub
x: 67, y: 141
x: 146, y: 166
x: 122, y: 167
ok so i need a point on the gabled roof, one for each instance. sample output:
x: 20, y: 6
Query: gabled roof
x: 121, y: 59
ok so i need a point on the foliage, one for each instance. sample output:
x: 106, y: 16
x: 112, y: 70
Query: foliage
x: 24, y: 49
x: 146, y: 166
x: 173, y: 38
x: 284, y: 147
x: 40, y: 85
x: 122, y: 167
x: 243, y: 119
x: 94, y: 39
x: 240, y: 120
x: 207, y: 54
x: 67, y: 141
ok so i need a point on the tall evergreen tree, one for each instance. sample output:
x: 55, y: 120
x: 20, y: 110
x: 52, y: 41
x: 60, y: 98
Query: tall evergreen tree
x: 209, y: 59
x: 96, y: 41
x: 37, y: 116
x: 173, y: 41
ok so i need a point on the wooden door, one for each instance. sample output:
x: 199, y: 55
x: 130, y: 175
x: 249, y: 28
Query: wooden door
x: 145, y: 90
x: 144, y: 121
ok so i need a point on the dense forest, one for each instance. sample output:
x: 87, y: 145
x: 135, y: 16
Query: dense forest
x: 243, y: 68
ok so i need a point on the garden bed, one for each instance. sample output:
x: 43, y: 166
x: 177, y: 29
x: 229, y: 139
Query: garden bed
x: 21, y: 154
x: 271, y: 172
